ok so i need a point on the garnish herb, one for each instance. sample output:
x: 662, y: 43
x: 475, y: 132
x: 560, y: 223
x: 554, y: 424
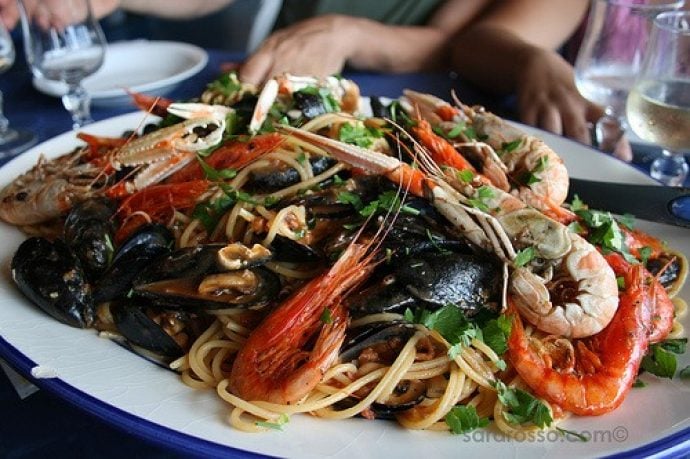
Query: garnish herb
x: 496, y: 332
x: 450, y: 322
x: 524, y: 256
x: 466, y: 176
x: 627, y: 220
x: 216, y: 175
x: 529, y: 178
x: 227, y: 84
x: 360, y: 135
x: 507, y: 147
x: 279, y: 424
x: 523, y: 407
x: 326, y: 316
x: 462, y: 419
x: 345, y: 197
x: 330, y: 104
x: 645, y: 253
x: 479, y: 201
x: 660, y: 359
x: 639, y: 383
x: 620, y: 280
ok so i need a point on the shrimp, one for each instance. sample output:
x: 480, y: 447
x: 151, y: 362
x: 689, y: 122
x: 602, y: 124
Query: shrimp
x: 274, y: 365
x: 525, y: 164
x: 606, y: 364
x: 662, y: 306
x: 504, y: 224
x: 580, y: 299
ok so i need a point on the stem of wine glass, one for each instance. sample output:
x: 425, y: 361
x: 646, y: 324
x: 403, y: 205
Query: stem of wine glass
x: 6, y: 134
x: 670, y: 168
x: 609, y: 130
x: 77, y: 102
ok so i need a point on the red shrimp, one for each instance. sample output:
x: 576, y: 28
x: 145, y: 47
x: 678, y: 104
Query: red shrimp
x: 233, y: 155
x: 157, y: 203
x: 275, y: 365
x: 606, y: 364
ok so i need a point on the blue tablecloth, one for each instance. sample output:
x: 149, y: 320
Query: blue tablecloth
x: 45, y: 426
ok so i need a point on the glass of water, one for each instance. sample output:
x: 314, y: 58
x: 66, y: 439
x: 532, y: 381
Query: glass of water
x: 64, y: 42
x: 12, y: 141
x: 610, y: 58
x: 659, y: 104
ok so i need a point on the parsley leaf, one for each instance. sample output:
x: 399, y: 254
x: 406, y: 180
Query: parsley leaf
x: 359, y: 135
x: 216, y: 175
x: 523, y: 407
x: 465, y: 176
x: 277, y: 425
x: 463, y: 419
x: 524, y: 256
x: 659, y: 362
x: 449, y: 321
x: 326, y: 316
x: 345, y: 197
x: 496, y: 333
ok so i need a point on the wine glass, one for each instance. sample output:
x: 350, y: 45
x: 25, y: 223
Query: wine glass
x: 12, y: 141
x: 610, y: 57
x: 63, y: 42
x: 658, y: 106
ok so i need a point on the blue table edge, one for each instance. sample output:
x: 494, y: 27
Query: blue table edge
x: 170, y: 438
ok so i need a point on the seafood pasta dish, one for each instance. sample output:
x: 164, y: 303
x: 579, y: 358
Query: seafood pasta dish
x: 282, y: 249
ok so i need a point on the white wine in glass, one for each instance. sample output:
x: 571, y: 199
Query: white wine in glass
x: 610, y: 56
x: 658, y: 106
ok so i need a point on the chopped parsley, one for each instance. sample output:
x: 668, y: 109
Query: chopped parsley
x: 330, y: 104
x: 483, y: 194
x: 360, y: 135
x: 450, y: 322
x: 216, y: 175
x: 507, y: 147
x: 530, y: 177
x: 524, y: 256
x: 227, y: 84
x: 279, y: 423
x: 645, y: 252
x: 660, y: 359
x: 496, y: 332
x: 522, y: 407
x: 465, y: 176
x: 326, y: 316
x: 462, y: 419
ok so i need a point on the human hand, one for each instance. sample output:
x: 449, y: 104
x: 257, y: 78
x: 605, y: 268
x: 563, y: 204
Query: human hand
x: 318, y: 46
x: 9, y: 13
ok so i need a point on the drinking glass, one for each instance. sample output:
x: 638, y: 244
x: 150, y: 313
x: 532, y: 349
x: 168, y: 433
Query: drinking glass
x: 610, y: 58
x: 12, y: 141
x: 658, y: 106
x: 63, y: 42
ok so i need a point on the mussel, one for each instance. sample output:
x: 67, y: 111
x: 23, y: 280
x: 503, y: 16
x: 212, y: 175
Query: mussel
x: 167, y: 334
x: 88, y: 232
x: 431, y: 280
x: 279, y: 176
x: 51, y: 276
x: 146, y: 245
x: 195, y: 279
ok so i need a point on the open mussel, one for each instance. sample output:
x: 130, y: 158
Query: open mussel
x: 52, y: 277
x: 431, y: 280
x: 166, y: 334
x: 146, y: 245
x: 279, y: 175
x: 206, y: 277
x: 88, y: 232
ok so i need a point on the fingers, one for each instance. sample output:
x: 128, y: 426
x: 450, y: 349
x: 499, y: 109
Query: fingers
x: 256, y: 69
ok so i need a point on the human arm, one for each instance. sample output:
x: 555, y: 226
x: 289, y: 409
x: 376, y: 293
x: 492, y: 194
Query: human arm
x: 323, y: 45
x: 511, y: 49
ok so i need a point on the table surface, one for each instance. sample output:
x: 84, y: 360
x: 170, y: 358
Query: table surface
x: 41, y: 424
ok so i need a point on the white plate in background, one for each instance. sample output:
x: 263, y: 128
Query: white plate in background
x: 151, y: 67
x: 146, y: 400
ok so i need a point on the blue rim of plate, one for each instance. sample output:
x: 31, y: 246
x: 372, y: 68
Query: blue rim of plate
x: 172, y: 439
x: 130, y: 424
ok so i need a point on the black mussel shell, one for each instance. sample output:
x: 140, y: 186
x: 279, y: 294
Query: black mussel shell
x: 285, y: 249
x: 138, y: 328
x: 311, y: 105
x: 407, y: 394
x: 390, y: 334
x: 88, y: 231
x: 183, y: 293
x: 378, y: 108
x: 671, y: 271
x: 275, y: 178
x: 52, y: 277
x: 146, y: 245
